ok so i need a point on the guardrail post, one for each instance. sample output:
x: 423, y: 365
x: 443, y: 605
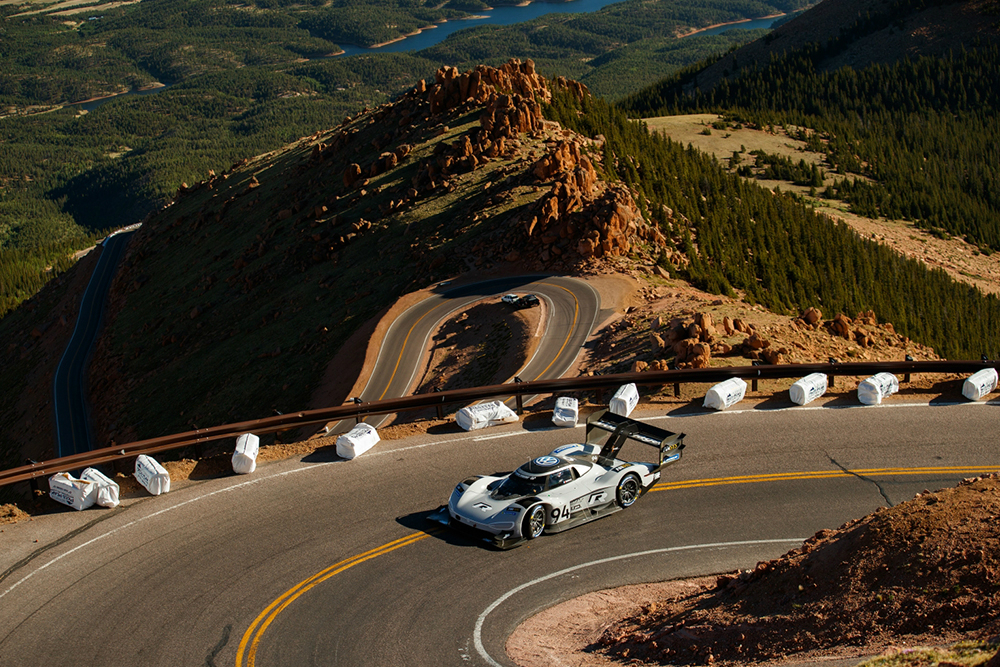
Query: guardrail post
x: 357, y: 418
x: 439, y: 406
x: 906, y: 377
x: 518, y: 399
x: 677, y: 390
x: 33, y: 482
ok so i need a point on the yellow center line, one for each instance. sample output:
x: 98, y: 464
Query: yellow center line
x: 252, y: 637
x: 819, y: 474
x: 403, y: 349
x: 572, y: 328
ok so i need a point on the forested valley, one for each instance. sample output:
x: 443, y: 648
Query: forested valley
x: 774, y: 249
x: 923, y: 133
x: 244, y: 78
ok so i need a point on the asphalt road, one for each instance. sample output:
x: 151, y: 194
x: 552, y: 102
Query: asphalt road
x: 73, y: 434
x: 328, y: 562
x: 573, y: 308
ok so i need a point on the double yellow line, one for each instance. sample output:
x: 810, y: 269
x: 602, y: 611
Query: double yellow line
x: 817, y: 474
x: 251, y: 638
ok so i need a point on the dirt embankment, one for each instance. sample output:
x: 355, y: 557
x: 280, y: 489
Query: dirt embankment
x: 923, y: 573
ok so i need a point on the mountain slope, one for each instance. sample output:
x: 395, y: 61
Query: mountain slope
x: 232, y: 301
x: 859, y: 33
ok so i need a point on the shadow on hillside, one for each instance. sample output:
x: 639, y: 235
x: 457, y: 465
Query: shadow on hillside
x: 487, y: 287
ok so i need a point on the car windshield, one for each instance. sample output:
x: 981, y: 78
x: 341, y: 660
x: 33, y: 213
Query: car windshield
x: 516, y: 487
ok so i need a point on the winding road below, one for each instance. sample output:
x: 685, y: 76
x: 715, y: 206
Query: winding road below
x: 572, y: 304
x: 320, y: 561
x: 73, y: 435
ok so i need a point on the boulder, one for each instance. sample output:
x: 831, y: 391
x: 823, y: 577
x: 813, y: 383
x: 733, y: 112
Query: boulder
x: 772, y: 356
x: 756, y: 342
x: 841, y: 326
x: 704, y: 320
x: 352, y: 174
x: 811, y: 315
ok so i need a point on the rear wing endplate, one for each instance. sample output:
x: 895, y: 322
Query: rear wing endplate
x: 622, y: 429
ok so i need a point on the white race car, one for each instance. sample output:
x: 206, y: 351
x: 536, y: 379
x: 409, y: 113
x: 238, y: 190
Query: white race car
x: 572, y: 485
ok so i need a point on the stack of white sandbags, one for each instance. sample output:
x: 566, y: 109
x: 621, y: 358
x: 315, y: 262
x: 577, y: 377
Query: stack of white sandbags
x: 485, y: 414
x: 877, y: 387
x: 77, y: 493
x: 566, y: 412
x: 107, y: 489
x: 980, y: 384
x: 357, y: 441
x: 808, y: 389
x: 624, y: 400
x: 725, y: 394
x: 245, y: 454
x: 152, y: 475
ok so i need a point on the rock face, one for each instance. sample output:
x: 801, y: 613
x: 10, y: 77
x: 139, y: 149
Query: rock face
x: 578, y: 218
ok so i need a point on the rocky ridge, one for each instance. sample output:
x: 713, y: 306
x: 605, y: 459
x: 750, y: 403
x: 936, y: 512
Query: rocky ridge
x: 671, y: 326
x: 459, y: 173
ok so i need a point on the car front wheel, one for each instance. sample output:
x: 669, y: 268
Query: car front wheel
x: 534, y: 522
x: 628, y: 490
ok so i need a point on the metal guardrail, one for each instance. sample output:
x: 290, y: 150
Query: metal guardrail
x: 440, y: 399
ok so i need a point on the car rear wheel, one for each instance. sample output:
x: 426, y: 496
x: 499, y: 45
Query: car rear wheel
x: 534, y: 522
x: 628, y: 490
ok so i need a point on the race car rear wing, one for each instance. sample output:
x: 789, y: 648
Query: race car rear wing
x: 623, y: 429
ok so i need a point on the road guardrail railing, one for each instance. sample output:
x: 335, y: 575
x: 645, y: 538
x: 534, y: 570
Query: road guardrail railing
x: 596, y: 383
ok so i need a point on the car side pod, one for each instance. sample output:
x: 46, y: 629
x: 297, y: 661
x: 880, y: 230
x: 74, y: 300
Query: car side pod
x: 502, y: 541
x: 505, y: 541
x: 440, y: 515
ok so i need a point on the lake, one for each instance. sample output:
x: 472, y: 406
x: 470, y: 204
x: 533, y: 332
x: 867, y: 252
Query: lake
x: 508, y: 15
x: 498, y: 16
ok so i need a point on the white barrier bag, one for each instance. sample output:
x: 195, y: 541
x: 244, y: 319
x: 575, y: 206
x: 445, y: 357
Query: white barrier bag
x: 808, y: 389
x: 245, y: 454
x: 566, y: 412
x: 357, y: 441
x: 725, y: 394
x: 482, y: 415
x: 624, y: 400
x: 980, y: 384
x: 152, y: 475
x: 77, y: 493
x: 107, y: 489
x: 877, y: 387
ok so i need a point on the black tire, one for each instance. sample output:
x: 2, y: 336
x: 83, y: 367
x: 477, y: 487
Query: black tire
x: 629, y: 489
x: 534, y: 522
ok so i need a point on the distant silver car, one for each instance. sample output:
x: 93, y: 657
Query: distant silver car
x: 511, y: 299
x: 572, y: 485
